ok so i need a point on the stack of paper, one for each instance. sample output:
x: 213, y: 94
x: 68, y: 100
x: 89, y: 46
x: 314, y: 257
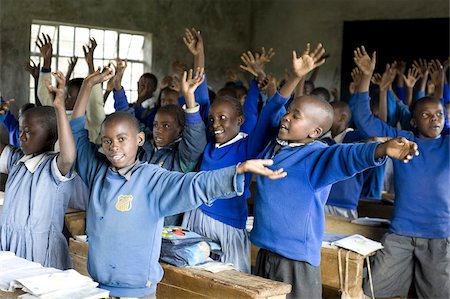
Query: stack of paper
x: 45, y: 283
x: 359, y: 244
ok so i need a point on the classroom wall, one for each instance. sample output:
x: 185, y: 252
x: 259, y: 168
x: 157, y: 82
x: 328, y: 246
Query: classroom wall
x: 225, y: 25
x: 228, y: 27
x: 287, y: 25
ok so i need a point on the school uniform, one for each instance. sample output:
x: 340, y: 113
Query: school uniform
x: 12, y: 126
x: 181, y: 155
x: 418, y: 244
x: 36, y: 199
x: 125, y: 214
x: 225, y: 221
x: 289, y: 212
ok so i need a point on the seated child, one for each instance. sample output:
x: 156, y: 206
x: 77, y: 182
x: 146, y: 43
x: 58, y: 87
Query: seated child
x: 289, y: 215
x: 417, y: 246
x: 38, y: 185
x: 130, y: 198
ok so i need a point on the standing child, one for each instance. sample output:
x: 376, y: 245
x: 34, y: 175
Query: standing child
x: 129, y: 198
x: 38, y: 185
x: 418, y: 244
x: 225, y: 221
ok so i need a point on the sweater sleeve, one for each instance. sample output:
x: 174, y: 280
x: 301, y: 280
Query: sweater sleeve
x: 367, y: 122
x: 391, y: 108
x: 339, y: 162
x: 260, y: 136
x: 120, y: 100
x: 251, y: 108
x: 95, y: 114
x: 42, y: 91
x: 177, y: 192
x: 12, y: 125
x: 403, y: 115
x: 87, y: 162
x: 193, y: 141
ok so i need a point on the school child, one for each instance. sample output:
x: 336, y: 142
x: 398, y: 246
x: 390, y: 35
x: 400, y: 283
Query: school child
x: 289, y: 216
x: 95, y: 113
x: 344, y: 195
x: 417, y: 246
x: 38, y: 186
x: 225, y: 221
x: 9, y: 120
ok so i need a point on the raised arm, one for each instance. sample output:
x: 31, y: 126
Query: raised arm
x: 409, y: 81
x: 72, y: 63
x: 67, y: 153
x: 44, y: 43
x: 34, y: 70
x: 88, y: 83
x: 437, y: 76
x: 194, y: 42
x: 89, y: 54
x: 301, y: 66
x: 422, y: 67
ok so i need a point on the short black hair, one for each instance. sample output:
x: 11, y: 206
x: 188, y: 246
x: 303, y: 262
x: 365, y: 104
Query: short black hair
x: 344, y: 107
x: 75, y: 82
x: 122, y: 116
x: 46, y: 116
x: 235, y: 103
x: 419, y: 102
x: 151, y: 78
x: 227, y: 91
x: 321, y: 92
x: 176, y: 111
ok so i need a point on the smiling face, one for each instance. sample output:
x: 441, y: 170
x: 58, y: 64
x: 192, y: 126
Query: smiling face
x: 120, y: 141
x: 428, y: 117
x: 224, y: 120
x: 165, y: 128
x: 305, y: 120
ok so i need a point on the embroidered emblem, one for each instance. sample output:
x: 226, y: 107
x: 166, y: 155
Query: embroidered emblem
x: 161, y: 163
x: 123, y: 203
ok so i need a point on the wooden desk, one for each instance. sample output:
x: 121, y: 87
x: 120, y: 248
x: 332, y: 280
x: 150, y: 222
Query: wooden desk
x: 196, y: 283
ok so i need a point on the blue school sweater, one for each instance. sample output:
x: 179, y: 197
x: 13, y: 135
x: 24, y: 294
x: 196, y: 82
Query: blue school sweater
x: 234, y: 212
x: 422, y: 193
x: 289, y: 212
x: 345, y: 194
x: 12, y: 126
x: 124, y: 218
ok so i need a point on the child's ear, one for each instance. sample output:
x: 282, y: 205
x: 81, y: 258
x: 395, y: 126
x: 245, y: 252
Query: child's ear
x: 241, y: 120
x: 316, y: 133
x: 141, y: 138
x: 413, y: 123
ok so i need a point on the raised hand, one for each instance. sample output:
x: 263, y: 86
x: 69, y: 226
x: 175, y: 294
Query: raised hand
x: 308, y: 61
x: 364, y: 62
x: 231, y: 75
x: 46, y: 49
x: 189, y: 84
x: 193, y: 41
x: 421, y: 66
x: 400, y: 67
x: 436, y: 71
x: 263, y: 58
x: 259, y: 167
x: 356, y: 80
x: 99, y: 76
x: 33, y: 69
x: 411, y: 78
x: 385, y: 80
x: 268, y: 85
x: 57, y: 92
x: 251, y: 65
x: 72, y: 62
x: 4, y: 106
x: 121, y: 65
x: 400, y: 148
x: 88, y: 50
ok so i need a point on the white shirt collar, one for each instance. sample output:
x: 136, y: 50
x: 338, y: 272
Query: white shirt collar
x: 32, y: 162
x: 149, y: 103
x: 238, y: 137
x: 290, y: 144
x: 126, y: 171
x: 340, y: 137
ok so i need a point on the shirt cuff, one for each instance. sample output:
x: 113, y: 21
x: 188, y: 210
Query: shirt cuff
x: 191, y: 110
x: 70, y: 175
x: 45, y: 70
x: 4, y: 158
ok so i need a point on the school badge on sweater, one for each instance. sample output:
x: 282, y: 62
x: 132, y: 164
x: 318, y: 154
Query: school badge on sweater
x: 124, y: 203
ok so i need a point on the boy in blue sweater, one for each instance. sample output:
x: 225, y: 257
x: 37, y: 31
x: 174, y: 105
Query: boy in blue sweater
x: 418, y: 244
x: 129, y: 198
x: 289, y: 215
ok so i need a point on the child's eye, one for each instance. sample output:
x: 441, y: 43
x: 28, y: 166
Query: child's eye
x: 296, y: 116
x: 211, y: 120
x: 106, y: 141
x: 223, y: 117
x: 121, y: 139
x: 166, y: 126
x: 425, y: 115
x: 440, y: 114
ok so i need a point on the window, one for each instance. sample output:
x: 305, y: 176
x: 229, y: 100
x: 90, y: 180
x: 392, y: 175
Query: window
x: 68, y: 41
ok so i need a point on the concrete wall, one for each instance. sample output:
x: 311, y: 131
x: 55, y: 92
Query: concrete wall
x: 287, y: 25
x: 225, y: 26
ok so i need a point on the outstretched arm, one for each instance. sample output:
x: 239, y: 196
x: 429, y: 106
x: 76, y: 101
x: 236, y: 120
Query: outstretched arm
x: 67, y: 152
x: 89, y: 53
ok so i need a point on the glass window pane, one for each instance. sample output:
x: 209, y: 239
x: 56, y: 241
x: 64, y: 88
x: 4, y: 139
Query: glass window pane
x: 126, y: 79
x: 81, y: 39
x: 110, y: 44
x: 66, y: 39
x: 98, y: 35
x: 137, y: 69
x: 63, y: 65
x: 35, y: 29
x: 124, y: 45
x: 136, y: 48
